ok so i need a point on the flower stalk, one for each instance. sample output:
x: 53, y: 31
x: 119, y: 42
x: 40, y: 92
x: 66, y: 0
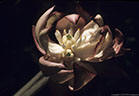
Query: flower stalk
x: 33, y: 86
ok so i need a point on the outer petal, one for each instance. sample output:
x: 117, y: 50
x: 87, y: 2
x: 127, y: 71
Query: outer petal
x: 82, y: 75
x: 41, y: 22
x: 43, y: 26
x: 50, y: 68
x: 73, y: 18
x: 43, y: 39
x: 43, y: 34
x: 36, y: 43
x: 118, y: 41
x: 64, y: 24
x: 62, y: 76
x: 73, y: 21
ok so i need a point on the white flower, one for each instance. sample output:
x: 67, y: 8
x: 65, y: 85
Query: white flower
x: 79, y: 42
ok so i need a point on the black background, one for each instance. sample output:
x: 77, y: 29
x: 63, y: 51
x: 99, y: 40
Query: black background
x: 19, y: 56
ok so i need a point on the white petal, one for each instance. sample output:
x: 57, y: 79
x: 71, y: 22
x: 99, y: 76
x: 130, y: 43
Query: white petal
x: 77, y: 34
x: 105, y: 45
x: 55, y: 48
x: 84, y: 51
x: 90, y: 33
x: 58, y: 36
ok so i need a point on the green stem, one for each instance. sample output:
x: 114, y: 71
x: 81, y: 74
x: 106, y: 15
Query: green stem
x: 33, y: 85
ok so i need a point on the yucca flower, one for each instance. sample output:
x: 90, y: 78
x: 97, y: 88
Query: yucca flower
x: 70, y: 44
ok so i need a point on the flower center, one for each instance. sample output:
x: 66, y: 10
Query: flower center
x: 69, y: 37
x: 68, y: 41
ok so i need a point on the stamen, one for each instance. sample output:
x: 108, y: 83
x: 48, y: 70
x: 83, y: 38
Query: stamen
x: 70, y: 31
x: 64, y: 32
x: 58, y: 36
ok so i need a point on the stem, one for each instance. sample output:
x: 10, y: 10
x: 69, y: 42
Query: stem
x: 33, y: 85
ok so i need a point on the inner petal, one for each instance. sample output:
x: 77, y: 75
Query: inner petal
x: 55, y: 48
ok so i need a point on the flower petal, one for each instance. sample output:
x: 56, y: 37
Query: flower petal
x: 64, y: 23
x: 105, y: 45
x: 36, y: 43
x: 90, y: 25
x: 73, y: 21
x: 84, y: 51
x: 62, y: 76
x: 118, y: 41
x: 88, y: 41
x: 43, y: 38
x: 43, y: 35
x: 50, y: 68
x: 73, y: 18
x: 41, y: 22
x: 55, y: 49
x: 82, y: 76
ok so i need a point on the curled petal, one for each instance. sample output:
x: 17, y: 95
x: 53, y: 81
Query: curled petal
x: 43, y: 35
x: 43, y: 26
x: 36, y: 43
x: 62, y: 76
x: 118, y: 41
x: 43, y: 38
x: 55, y: 16
x: 39, y: 26
x: 50, y: 68
x: 41, y: 22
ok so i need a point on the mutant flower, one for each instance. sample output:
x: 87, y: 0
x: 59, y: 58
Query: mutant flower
x: 70, y: 44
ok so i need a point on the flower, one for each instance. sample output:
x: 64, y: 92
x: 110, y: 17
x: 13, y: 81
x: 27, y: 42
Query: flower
x: 70, y: 44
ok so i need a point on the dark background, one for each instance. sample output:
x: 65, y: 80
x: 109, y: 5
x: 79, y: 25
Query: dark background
x: 19, y: 56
